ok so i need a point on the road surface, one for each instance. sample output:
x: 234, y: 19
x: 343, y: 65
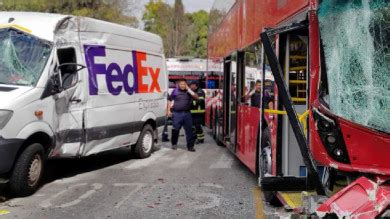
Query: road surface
x: 209, y: 183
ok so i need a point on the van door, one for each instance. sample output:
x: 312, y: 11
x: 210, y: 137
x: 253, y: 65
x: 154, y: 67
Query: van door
x: 69, y: 105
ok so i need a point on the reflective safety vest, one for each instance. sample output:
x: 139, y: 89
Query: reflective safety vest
x: 199, y: 106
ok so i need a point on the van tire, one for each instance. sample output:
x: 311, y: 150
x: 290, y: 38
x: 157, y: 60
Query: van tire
x: 145, y: 143
x: 28, y: 171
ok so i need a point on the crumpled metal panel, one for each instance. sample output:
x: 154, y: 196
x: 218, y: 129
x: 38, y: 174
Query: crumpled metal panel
x: 361, y: 199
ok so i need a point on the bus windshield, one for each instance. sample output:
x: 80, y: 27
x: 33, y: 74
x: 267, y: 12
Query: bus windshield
x: 356, y: 51
x: 22, y: 57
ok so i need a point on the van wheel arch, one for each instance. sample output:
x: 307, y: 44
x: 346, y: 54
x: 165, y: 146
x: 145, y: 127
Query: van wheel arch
x: 41, y: 138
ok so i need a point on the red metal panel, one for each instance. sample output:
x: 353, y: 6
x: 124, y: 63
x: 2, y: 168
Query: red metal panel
x: 226, y: 39
x: 366, y: 148
x: 361, y: 199
x: 247, y: 131
x: 243, y: 24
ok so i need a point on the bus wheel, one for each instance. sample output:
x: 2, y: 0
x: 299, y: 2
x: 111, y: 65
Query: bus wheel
x: 28, y: 171
x: 214, y: 129
x: 145, y: 143
x: 217, y: 134
x: 328, y: 180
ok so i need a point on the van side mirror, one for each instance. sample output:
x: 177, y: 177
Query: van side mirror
x: 55, y: 84
x: 72, y: 68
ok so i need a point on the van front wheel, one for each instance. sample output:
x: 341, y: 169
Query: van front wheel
x: 145, y: 143
x: 28, y: 171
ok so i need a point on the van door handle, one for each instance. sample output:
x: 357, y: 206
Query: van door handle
x: 75, y: 100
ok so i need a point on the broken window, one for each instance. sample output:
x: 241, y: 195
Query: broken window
x: 67, y: 60
x: 356, y: 46
x: 22, y: 57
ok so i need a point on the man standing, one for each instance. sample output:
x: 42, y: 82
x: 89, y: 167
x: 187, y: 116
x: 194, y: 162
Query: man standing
x: 255, y: 97
x: 198, y: 111
x: 181, y: 99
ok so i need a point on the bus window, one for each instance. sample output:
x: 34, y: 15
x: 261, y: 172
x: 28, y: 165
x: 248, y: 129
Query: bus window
x: 251, y: 88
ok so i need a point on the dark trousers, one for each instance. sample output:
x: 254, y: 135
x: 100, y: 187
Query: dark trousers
x: 165, y: 131
x: 198, y: 120
x: 182, y: 119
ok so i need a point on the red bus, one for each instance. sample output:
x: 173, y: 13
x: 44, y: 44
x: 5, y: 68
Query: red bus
x: 331, y: 97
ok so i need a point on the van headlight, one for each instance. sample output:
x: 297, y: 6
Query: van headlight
x: 5, y: 116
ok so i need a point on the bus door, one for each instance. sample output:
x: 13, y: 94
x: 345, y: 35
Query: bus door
x: 248, y: 110
x: 295, y: 65
x: 230, y: 103
x: 297, y: 169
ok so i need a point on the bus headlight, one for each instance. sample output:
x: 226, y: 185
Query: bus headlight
x: 331, y: 137
x: 5, y: 116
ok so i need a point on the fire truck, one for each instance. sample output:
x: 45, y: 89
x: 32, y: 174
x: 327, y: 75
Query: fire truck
x: 326, y: 128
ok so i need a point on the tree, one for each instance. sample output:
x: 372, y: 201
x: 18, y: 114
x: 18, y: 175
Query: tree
x: 183, y: 34
x: 198, y: 35
x: 113, y: 10
x: 157, y: 18
x: 180, y: 28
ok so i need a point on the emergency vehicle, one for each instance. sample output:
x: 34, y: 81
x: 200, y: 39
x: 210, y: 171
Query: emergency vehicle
x: 72, y: 87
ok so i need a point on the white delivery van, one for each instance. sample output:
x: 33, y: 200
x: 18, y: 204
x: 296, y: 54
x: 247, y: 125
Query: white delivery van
x: 72, y: 87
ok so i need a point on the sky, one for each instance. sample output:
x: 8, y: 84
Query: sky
x: 195, y: 5
x: 189, y: 5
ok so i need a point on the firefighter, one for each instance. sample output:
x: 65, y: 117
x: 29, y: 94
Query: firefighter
x: 198, y: 112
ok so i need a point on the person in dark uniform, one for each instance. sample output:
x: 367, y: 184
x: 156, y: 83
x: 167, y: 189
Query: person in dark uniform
x: 255, y: 97
x: 165, y: 137
x: 181, y: 100
x: 198, y: 112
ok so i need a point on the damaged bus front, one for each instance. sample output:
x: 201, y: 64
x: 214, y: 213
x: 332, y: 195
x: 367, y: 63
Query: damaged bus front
x: 72, y: 87
x: 351, y: 113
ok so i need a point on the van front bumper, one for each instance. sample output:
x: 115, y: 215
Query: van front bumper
x: 8, y: 150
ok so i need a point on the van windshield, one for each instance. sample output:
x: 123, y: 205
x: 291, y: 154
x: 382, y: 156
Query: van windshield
x: 356, y: 44
x: 22, y: 57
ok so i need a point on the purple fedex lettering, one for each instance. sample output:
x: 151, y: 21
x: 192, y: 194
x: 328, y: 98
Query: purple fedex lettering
x: 118, y: 79
x: 90, y: 53
x: 113, y: 72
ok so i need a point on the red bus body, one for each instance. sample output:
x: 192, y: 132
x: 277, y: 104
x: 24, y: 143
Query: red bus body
x: 367, y: 149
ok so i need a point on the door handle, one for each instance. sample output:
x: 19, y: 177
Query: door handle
x: 75, y: 100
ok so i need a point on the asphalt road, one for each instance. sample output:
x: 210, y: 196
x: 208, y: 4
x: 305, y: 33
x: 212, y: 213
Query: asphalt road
x: 209, y: 183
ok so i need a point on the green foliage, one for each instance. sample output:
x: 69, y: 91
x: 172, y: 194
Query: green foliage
x: 198, y: 34
x: 184, y: 34
x: 113, y: 10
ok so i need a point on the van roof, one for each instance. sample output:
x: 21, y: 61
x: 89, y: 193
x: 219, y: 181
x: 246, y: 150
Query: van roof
x: 44, y: 25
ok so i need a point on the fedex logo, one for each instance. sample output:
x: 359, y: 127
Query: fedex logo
x: 117, y: 78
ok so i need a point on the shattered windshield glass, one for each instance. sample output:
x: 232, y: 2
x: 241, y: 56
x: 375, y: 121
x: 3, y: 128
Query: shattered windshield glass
x: 356, y: 41
x: 22, y: 57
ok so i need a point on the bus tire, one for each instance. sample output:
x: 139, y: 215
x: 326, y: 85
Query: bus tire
x: 328, y: 180
x: 217, y: 134
x: 145, y: 143
x: 214, y: 129
x: 28, y: 171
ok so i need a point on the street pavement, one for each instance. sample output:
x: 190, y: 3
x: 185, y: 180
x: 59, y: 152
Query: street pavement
x: 209, y: 183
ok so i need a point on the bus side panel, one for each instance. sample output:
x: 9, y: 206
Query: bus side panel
x: 248, y: 129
